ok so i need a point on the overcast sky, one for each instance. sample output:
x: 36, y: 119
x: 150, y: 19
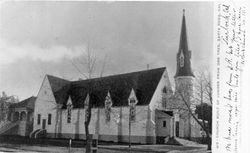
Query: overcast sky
x: 38, y: 38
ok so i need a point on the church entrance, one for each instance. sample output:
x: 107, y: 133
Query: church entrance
x: 163, y: 125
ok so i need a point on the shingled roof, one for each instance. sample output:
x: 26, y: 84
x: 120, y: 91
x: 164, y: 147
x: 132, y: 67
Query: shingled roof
x: 143, y: 82
x: 57, y: 83
x: 27, y: 103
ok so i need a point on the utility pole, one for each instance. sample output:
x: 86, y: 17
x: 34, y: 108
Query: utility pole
x: 132, y: 101
x: 70, y: 141
x: 129, y: 130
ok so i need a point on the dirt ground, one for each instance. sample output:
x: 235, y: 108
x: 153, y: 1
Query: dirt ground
x: 102, y: 149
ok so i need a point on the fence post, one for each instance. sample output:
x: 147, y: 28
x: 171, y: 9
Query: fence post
x: 95, y: 143
x: 70, y: 141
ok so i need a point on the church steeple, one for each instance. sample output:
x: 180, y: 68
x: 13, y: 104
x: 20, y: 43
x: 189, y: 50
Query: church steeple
x: 183, y: 55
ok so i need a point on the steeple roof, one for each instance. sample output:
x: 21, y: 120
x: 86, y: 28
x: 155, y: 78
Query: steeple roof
x: 183, y: 38
x: 183, y: 55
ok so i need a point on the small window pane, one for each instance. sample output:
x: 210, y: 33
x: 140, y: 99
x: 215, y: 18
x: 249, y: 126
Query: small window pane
x: 69, y: 116
x: 49, y: 119
x: 39, y: 119
x: 164, y: 123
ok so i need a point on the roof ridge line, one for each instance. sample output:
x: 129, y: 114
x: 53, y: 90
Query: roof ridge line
x: 113, y: 75
x: 57, y: 77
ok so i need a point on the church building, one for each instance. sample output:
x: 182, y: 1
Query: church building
x: 141, y: 104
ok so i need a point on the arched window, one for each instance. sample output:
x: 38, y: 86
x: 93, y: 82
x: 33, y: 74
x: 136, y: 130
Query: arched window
x: 164, y: 90
x: 23, y: 116
x: 181, y: 59
x: 16, y: 116
x: 164, y: 97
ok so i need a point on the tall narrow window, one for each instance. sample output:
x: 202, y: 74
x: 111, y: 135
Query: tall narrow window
x: 49, y: 119
x: 164, y: 124
x: 164, y: 97
x: 108, y: 105
x: 38, y: 119
x: 132, y: 101
x: 132, y: 113
x: 107, y: 114
x: 69, y: 113
x: 177, y: 129
x: 69, y: 108
x: 181, y: 59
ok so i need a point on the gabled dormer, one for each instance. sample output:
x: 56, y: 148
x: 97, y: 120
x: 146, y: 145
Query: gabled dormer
x: 69, y: 108
x: 132, y: 100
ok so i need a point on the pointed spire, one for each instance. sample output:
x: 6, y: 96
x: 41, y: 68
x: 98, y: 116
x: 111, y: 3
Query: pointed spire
x: 183, y: 38
x: 183, y: 55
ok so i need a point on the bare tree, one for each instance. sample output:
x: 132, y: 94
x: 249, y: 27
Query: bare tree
x: 86, y: 123
x: 203, y: 86
x: 88, y: 62
x: 5, y: 102
x: 202, y: 94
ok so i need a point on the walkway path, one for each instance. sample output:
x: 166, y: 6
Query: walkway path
x: 159, y: 148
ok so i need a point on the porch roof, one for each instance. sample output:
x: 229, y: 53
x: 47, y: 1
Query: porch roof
x: 27, y: 103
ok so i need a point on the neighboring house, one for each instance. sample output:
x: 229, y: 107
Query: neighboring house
x: 59, y: 107
x: 20, y: 118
